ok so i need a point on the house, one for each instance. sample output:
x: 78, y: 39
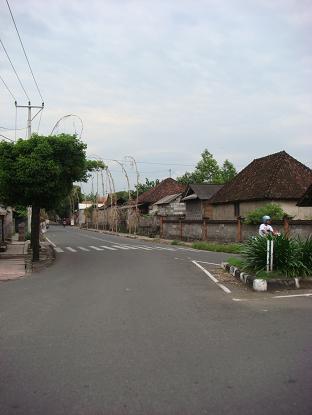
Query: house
x: 197, y: 200
x: 165, y: 188
x: 306, y: 199
x: 6, y: 223
x: 171, y: 205
x: 277, y: 178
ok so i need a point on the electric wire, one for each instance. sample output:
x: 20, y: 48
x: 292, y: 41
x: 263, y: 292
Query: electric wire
x: 10, y: 92
x: 7, y: 138
x: 12, y: 129
x: 39, y: 121
x: 18, y: 78
x: 21, y: 42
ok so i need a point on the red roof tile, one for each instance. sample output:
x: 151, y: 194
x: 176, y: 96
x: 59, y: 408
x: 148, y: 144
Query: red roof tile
x: 165, y: 188
x: 274, y: 177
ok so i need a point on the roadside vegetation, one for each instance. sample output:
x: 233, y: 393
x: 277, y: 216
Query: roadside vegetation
x: 230, y: 248
x: 292, y: 257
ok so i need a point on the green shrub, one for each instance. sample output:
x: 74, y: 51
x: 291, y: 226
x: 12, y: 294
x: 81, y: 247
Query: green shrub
x: 175, y: 242
x: 236, y: 262
x: 27, y: 236
x: 291, y: 256
x: 271, y: 209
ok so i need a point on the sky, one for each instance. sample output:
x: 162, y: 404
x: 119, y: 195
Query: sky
x: 163, y: 80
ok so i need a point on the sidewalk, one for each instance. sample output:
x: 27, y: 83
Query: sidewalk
x: 12, y: 261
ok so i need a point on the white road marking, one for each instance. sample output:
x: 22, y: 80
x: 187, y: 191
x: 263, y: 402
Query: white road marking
x: 209, y: 263
x: 95, y: 248
x: 146, y: 248
x: 70, y: 249
x: 108, y: 247
x: 83, y: 249
x: 120, y: 247
x: 224, y: 288
x: 58, y: 249
x: 130, y: 247
x: 292, y: 295
x: 214, y: 279
x: 52, y: 243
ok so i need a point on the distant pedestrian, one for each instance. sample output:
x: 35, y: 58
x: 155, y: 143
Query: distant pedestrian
x: 265, y: 228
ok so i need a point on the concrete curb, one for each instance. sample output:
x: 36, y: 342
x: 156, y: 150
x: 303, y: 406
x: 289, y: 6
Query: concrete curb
x: 258, y: 284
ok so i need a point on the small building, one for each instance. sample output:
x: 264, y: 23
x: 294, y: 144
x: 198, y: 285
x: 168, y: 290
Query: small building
x: 169, y: 206
x: 306, y: 199
x: 197, y: 200
x: 165, y: 188
x: 276, y: 178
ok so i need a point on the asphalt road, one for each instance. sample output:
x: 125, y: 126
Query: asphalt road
x: 138, y: 328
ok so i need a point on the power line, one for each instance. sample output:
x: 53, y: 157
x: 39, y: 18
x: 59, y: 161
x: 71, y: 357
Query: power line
x: 7, y: 2
x: 18, y: 78
x: 161, y: 164
x: 12, y: 129
x: 4, y: 83
x: 7, y: 138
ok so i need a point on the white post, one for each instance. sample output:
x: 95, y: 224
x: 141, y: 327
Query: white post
x: 268, y: 256
x: 29, y: 121
x: 271, y: 254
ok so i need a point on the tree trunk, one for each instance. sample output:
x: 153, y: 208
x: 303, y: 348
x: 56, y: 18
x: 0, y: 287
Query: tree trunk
x: 35, y: 232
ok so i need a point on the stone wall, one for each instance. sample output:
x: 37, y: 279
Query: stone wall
x: 227, y: 230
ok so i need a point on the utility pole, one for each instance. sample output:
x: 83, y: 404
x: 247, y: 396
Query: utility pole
x: 29, y: 119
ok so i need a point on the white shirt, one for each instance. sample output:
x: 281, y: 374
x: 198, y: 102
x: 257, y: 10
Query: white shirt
x: 265, y: 229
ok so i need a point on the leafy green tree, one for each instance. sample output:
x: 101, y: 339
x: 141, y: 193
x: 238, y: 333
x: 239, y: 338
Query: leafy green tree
x: 274, y: 210
x: 143, y: 187
x: 40, y: 172
x: 208, y: 170
x: 228, y: 171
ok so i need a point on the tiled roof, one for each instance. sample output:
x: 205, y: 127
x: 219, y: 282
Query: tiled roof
x: 203, y: 191
x: 274, y: 177
x: 306, y: 199
x: 165, y: 188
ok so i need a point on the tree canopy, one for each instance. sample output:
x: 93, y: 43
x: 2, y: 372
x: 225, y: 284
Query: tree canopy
x: 40, y: 172
x: 143, y: 187
x: 208, y: 170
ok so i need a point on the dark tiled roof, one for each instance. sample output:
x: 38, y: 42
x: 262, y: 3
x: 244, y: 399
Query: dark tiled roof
x: 306, y: 199
x: 277, y: 176
x: 165, y: 188
x: 203, y: 191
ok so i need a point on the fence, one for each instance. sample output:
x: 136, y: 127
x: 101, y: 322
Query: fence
x: 226, y: 230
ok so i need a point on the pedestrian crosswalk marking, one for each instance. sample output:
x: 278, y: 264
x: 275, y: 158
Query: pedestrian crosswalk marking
x: 70, y: 249
x: 59, y: 249
x: 83, y: 249
x: 108, y: 247
x: 113, y: 248
x: 95, y: 248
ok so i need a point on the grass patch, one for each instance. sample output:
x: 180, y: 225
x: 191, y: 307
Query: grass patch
x: 215, y: 247
x: 175, y: 242
x: 236, y: 262
x: 264, y: 275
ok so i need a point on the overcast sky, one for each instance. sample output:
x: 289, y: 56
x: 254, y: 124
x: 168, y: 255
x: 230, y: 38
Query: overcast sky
x: 162, y: 80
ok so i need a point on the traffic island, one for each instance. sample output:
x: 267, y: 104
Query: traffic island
x: 268, y: 284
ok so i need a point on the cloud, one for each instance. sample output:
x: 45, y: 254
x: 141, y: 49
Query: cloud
x: 164, y: 80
